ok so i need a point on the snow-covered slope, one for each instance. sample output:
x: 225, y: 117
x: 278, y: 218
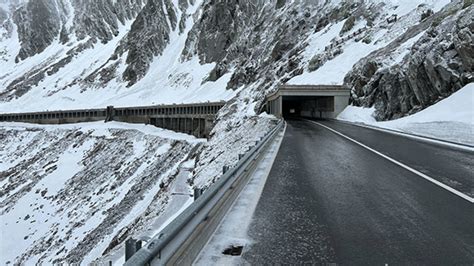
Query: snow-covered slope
x: 451, y: 118
x: 71, y: 193
x: 170, y: 51
x: 86, y: 72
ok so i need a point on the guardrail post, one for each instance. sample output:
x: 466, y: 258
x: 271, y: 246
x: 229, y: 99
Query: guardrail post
x: 131, y: 247
x: 225, y: 168
x: 197, y: 193
x: 241, y: 156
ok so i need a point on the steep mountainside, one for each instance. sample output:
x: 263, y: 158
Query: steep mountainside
x: 161, y: 51
x: 439, y: 63
x: 398, y: 56
x: 71, y: 193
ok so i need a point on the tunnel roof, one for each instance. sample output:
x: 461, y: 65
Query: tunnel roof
x: 309, y: 90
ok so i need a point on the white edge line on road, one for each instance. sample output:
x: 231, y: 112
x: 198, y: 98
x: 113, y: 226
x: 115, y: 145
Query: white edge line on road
x: 428, y: 139
x: 432, y: 180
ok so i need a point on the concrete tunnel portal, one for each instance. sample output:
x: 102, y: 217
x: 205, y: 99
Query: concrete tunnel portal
x: 318, y: 101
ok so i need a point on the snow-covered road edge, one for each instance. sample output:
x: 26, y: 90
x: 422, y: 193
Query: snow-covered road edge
x: 445, y: 142
x: 233, y: 228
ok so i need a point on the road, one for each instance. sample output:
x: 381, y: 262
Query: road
x: 329, y: 200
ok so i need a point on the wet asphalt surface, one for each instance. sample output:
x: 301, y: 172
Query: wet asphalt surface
x: 328, y: 200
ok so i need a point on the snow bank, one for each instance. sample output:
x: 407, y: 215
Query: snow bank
x: 450, y: 119
x: 358, y: 114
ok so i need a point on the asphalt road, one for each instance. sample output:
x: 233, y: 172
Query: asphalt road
x: 328, y: 200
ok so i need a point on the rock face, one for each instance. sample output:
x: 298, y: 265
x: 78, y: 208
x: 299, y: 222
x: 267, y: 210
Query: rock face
x: 3, y: 15
x: 102, y: 19
x: 438, y: 64
x: 259, y: 42
x: 39, y: 22
x: 220, y: 27
x: 230, y: 34
x: 148, y: 37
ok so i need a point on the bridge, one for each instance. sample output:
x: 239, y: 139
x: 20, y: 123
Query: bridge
x: 195, y: 119
x: 316, y: 101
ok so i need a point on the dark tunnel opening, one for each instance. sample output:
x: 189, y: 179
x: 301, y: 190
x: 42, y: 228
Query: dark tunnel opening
x: 304, y: 106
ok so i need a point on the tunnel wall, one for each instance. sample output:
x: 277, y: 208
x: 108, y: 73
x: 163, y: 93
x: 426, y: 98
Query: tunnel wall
x: 338, y: 104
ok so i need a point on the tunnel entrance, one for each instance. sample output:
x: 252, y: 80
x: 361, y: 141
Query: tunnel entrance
x: 307, y: 106
x: 315, y: 101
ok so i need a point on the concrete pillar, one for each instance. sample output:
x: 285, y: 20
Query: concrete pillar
x: 280, y: 107
x: 110, y: 112
x: 189, y: 126
x: 199, y: 131
x: 195, y: 127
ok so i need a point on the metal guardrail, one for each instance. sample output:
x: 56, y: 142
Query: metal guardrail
x: 161, y: 248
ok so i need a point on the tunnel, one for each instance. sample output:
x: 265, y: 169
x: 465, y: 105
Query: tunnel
x: 307, y: 106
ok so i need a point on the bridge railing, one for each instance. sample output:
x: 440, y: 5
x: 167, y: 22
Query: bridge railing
x: 182, y: 240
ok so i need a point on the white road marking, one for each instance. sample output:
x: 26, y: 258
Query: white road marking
x: 460, y: 146
x: 432, y: 180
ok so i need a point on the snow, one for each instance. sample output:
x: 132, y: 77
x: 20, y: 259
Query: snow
x: 37, y: 205
x: 101, y: 128
x: 11, y: 244
x: 358, y: 114
x: 234, y: 226
x: 317, y: 42
x: 405, y: 48
x: 403, y: 7
x: 450, y: 119
x: 139, y: 208
x: 170, y: 79
x: 181, y: 197
x: 334, y: 71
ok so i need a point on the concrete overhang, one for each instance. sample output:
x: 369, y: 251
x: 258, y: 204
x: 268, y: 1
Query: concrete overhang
x: 310, y: 90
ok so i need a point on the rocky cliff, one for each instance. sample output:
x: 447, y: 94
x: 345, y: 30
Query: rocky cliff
x: 257, y: 43
x: 438, y: 64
